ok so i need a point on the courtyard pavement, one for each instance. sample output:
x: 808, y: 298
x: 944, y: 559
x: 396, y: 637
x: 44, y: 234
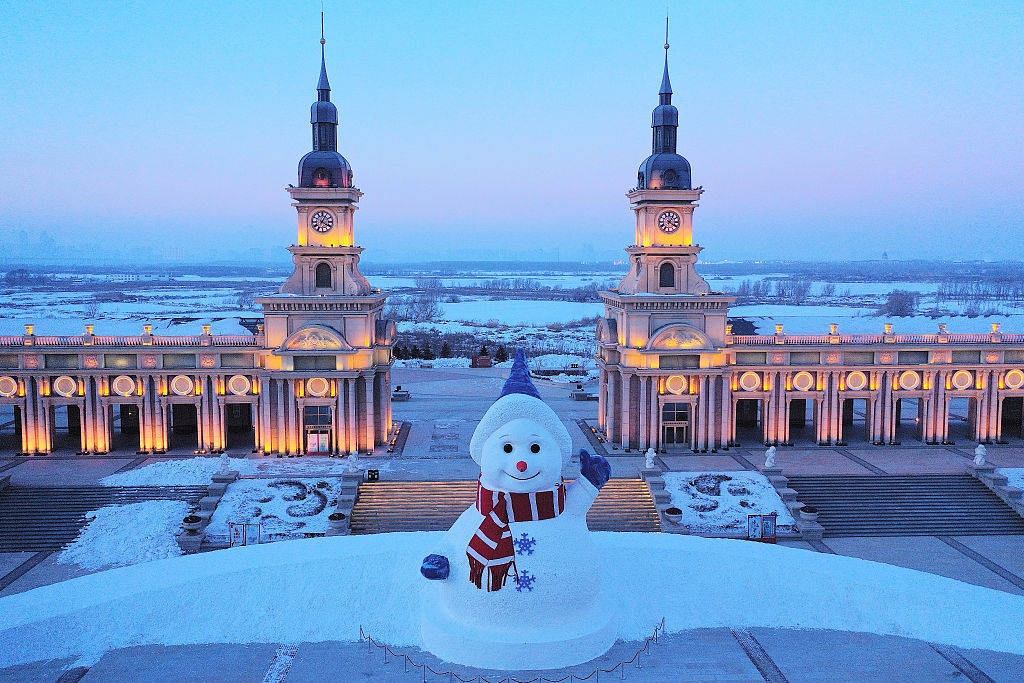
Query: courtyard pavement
x: 445, y: 407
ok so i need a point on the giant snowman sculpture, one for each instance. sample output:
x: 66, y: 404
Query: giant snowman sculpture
x: 517, y: 581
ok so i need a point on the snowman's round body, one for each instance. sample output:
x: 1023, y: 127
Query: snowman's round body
x: 554, y: 610
x: 517, y: 581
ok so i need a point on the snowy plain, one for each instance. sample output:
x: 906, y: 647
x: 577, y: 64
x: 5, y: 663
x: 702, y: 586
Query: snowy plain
x: 250, y: 594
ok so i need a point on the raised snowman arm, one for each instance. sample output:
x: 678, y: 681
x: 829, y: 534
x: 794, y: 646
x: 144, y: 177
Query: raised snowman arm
x: 594, y: 473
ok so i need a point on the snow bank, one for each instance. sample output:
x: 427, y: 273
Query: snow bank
x: 273, y: 593
x: 187, y: 472
x: 122, y: 535
x: 720, y: 501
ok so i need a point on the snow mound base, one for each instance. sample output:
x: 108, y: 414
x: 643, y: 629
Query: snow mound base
x: 269, y: 593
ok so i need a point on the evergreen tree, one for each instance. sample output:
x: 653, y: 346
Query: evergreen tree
x: 446, y: 350
x: 415, y: 352
x: 427, y: 353
x: 501, y: 355
x: 483, y: 351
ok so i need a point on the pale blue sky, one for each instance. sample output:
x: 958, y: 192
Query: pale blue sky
x: 819, y: 130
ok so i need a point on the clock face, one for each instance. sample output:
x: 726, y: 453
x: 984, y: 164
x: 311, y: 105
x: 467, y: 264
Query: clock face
x: 322, y: 221
x: 668, y: 221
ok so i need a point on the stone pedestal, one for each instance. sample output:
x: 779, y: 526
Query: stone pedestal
x: 189, y: 543
x: 811, y: 531
x: 225, y: 478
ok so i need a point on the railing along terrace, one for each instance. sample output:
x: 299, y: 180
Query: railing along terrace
x: 823, y: 339
x: 138, y: 340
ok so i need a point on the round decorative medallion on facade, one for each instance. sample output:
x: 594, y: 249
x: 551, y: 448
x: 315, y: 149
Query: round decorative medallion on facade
x: 910, y: 380
x: 239, y: 385
x: 123, y: 385
x: 182, y: 385
x: 856, y: 380
x: 668, y: 221
x: 65, y: 386
x: 317, y: 386
x: 676, y: 384
x: 8, y: 387
x: 1014, y: 379
x: 963, y: 379
x: 803, y: 381
x: 750, y: 381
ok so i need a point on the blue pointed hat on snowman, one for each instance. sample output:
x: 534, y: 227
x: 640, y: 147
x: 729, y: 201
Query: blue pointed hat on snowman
x: 520, y: 399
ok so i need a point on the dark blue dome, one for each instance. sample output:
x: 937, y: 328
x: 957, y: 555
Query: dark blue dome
x: 324, y: 168
x: 665, y: 171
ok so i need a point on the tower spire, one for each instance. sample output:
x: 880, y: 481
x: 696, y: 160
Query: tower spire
x: 323, y: 88
x: 665, y: 94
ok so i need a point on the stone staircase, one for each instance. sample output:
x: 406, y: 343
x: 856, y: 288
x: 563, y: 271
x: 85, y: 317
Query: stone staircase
x: 906, y: 505
x: 34, y: 519
x: 622, y: 505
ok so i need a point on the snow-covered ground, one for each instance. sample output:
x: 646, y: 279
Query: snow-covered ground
x: 719, y: 502
x: 284, y: 508
x: 1014, y: 476
x: 188, y: 472
x: 122, y: 535
x: 251, y: 594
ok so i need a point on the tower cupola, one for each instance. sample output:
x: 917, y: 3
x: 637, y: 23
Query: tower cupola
x: 664, y: 169
x: 324, y: 166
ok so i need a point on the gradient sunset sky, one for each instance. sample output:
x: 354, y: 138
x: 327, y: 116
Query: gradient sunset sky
x: 819, y: 130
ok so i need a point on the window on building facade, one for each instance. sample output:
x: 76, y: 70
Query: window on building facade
x: 323, y: 276
x: 675, y: 412
x: 667, y: 275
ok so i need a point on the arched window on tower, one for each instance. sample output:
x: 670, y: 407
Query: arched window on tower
x: 323, y: 276
x: 321, y: 178
x: 667, y: 275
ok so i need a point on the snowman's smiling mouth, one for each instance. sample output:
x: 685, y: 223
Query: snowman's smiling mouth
x: 521, y: 478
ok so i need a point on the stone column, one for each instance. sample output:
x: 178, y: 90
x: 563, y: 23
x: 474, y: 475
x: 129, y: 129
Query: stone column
x: 371, y: 402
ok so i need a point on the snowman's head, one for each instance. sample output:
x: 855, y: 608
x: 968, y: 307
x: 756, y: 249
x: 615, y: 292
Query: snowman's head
x: 520, y: 444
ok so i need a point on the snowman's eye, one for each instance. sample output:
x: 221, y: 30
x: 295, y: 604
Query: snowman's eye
x: 508, y: 448
x: 535, y: 448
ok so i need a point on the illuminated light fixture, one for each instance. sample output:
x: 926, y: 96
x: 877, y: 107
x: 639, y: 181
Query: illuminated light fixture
x: 750, y: 381
x: 962, y: 379
x: 909, y: 380
x: 856, y: 380
x: 803, y: 381
x: 1014, y: 379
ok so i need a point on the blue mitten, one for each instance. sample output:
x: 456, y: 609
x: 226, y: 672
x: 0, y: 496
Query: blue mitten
x: 435, y: 567
x: 595, y: 468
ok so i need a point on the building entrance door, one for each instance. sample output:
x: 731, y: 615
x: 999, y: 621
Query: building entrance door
x: 317, y: 421
x: 675, y: 425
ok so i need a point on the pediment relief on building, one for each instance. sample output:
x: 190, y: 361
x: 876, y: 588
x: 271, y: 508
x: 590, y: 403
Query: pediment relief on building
x: 316, y: 338
x: 607, y: 331
x: 676, y: 337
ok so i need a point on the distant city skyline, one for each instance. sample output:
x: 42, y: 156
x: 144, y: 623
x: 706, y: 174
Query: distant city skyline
x: 820, y: 131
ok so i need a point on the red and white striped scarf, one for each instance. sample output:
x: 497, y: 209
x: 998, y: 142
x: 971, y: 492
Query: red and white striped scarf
x: 491, y: 547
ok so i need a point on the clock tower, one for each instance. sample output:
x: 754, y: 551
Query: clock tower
x: 330, y: 347
x: 664, y: 329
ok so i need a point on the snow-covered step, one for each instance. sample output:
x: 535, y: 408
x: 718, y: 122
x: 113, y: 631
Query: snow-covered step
x: 906, y: 505
x: 623, y: 505
x: 49, y: 518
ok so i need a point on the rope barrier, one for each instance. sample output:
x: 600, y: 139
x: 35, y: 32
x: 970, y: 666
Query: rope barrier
x: 452, y: 676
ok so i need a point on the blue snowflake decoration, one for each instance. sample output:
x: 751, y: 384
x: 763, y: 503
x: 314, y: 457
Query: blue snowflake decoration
x: 524, y: 544
x: 524, y: 581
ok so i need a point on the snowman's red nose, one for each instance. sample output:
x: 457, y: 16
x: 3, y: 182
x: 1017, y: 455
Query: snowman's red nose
x: 521, y: 465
